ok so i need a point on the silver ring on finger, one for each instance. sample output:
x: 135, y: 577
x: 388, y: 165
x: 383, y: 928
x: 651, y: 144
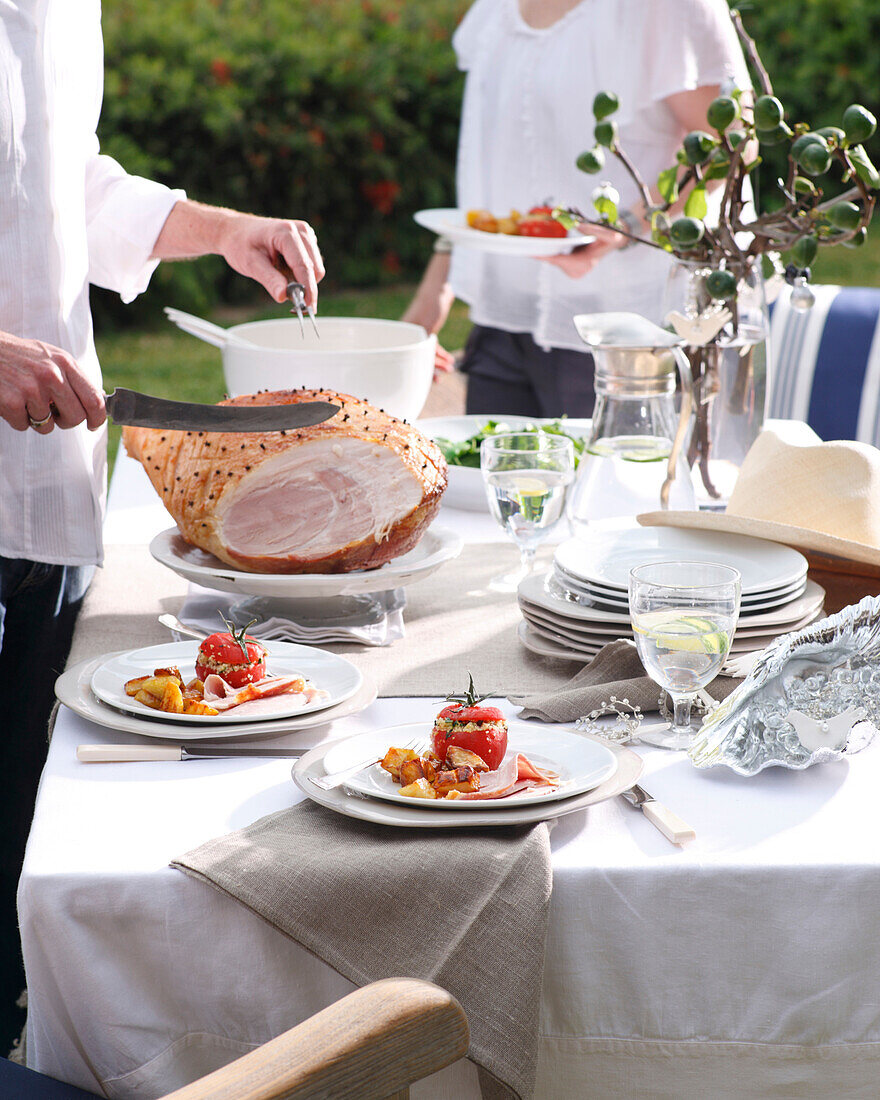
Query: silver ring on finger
x: 40, y: 423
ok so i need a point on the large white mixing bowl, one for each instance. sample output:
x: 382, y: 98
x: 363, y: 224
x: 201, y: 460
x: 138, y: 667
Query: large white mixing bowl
x: 388, y: 363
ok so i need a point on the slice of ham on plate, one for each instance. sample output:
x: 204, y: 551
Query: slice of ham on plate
x: 263, y: 697
x: 516, y: 773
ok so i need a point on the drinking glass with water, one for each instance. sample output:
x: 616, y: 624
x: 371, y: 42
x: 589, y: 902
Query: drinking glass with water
x: 683, y: 616
x: 527, y: 475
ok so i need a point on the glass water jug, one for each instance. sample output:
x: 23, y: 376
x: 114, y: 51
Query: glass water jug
x: 635, y: 460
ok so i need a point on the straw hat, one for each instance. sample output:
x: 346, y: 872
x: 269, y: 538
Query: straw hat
x: 815, y: 496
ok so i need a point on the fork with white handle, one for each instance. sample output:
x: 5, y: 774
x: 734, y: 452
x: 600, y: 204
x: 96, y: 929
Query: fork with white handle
x: 336, y: 779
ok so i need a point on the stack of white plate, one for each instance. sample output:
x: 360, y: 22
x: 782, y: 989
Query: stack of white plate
x: 582, y: 603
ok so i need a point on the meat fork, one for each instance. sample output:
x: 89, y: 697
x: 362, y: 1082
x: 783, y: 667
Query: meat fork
x: 297, y: 294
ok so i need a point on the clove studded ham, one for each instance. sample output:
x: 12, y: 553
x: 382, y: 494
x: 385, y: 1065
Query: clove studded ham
x: 350, y: 493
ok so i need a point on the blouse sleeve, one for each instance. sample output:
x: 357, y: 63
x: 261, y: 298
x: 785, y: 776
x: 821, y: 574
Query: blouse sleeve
x: 124, y: 216
x: 468, y: 37
x: 688, y: 44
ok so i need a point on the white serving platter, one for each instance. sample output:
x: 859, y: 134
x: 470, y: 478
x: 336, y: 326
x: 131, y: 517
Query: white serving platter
x: 437, y: 545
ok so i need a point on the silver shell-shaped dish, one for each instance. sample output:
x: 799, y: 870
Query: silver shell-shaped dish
x: 812, y: 696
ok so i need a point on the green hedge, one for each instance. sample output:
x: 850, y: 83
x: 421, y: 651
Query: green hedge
x: 345, y: 112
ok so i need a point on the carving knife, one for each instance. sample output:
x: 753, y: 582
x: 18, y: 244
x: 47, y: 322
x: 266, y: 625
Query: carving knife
x: 143, y: 411
x: 118, y: 754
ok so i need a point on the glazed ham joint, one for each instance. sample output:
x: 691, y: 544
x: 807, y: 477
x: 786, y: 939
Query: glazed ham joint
x: 353, y: 492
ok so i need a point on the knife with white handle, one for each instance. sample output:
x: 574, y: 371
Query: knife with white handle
x: 669, y: 824
x: 119, y: 754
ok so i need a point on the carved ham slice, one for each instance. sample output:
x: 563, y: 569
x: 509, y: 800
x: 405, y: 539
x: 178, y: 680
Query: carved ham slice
x: 350, y: 493
x: 220, y: 696
x: 516, y: 773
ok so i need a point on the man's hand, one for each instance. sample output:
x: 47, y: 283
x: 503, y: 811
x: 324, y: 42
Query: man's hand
x: 271, y: 251
x: 38, y: 381
x: 266, y: 249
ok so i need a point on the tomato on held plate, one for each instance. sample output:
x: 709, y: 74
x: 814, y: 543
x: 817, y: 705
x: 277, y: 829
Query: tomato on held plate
x: 232, y: 655
x: 547, y: 211
x: 489, y: 737
x: 540, y: 226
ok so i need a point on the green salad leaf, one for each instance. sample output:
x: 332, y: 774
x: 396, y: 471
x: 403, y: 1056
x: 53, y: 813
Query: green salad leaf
x: 466, y: 452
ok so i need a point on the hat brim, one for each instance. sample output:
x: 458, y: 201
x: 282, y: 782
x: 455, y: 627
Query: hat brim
x: 801, y: 538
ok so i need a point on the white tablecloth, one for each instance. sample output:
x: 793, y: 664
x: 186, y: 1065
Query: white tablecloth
x: 743, y: 966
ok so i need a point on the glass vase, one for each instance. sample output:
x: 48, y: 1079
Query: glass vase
x: 730, y: 372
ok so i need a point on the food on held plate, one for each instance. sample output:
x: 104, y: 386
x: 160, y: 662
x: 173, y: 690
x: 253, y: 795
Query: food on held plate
x: 350, y: 493
x: 539, y: 222
x: 466, y: 724
x: 234, y: 656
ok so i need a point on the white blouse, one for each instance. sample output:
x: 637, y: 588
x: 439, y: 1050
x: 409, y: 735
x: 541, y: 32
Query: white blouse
x: 68, y: 217
x: 526, y: 116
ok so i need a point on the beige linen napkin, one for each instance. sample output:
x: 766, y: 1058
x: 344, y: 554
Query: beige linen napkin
x: 615, y: 670
x: 465, y: 908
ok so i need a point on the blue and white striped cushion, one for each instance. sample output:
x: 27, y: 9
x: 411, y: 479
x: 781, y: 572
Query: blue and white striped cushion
x: 825, y: 365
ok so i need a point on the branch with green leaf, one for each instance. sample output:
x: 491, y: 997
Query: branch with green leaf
x: 802, y: 219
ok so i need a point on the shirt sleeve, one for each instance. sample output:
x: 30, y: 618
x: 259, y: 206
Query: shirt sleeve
x: 124, y: 216
x: 688, y: 44
x: 468, y: 37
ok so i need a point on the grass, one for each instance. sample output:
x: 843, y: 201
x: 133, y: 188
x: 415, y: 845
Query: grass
x: 169, y: 363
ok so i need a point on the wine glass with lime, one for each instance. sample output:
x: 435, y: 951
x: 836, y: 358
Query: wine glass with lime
x: 527, y: 475
x: 683, y: 616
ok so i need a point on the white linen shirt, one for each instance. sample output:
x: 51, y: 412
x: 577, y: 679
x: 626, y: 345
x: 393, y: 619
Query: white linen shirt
x: 68, y: 217
x: 527, y: 114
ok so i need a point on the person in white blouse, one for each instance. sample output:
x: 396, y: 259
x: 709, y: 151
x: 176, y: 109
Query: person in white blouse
x: 533, y: 69
x: 69, y: 217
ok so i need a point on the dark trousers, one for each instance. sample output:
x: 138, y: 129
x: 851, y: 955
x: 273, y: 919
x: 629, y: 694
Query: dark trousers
x: 38, y: 608
x: 508, y: 373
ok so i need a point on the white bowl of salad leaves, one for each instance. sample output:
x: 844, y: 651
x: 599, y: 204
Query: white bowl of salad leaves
x: 459, y: 437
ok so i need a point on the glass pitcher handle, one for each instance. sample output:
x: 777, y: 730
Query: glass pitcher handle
x: 687, y: 402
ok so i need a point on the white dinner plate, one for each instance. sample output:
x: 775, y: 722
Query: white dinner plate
x: 548, y: 647
x: 548, y: 644
x: 328, y: 671
x: 628, y: 768
x: 614, y: 599
x: 789, y: 616
x: 581, y: 765
x: 588, y: 632
x: 609, y: 555
x: 73, y: 689
x: 607, y: 592
x: 581, y: 632
x: 437, y: 545
x: 452, y: 223
x: 465, y: 488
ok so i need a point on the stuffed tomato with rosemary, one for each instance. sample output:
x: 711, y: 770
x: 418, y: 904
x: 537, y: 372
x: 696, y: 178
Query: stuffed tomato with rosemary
x: 469, y: 725
x: 233, y: 655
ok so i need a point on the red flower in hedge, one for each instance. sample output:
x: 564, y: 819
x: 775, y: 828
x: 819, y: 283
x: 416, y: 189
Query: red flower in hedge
x: 391, y: 263
x: 382, y: 195
x: 377, y: 141
x: 221, y: 70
